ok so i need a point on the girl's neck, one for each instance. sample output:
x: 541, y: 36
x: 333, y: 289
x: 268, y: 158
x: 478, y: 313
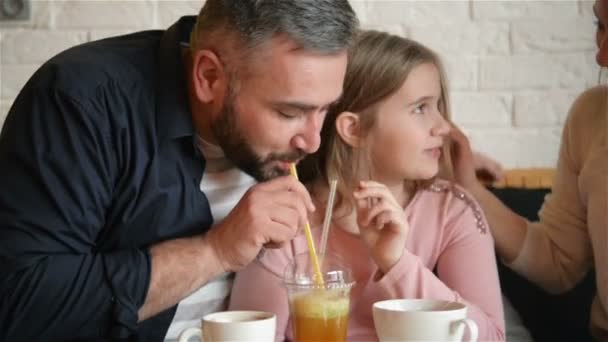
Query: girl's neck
x: 403, y: 191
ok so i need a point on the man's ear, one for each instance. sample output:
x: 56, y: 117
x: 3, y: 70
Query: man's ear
x: 208, y: 75
x: 348, y: 126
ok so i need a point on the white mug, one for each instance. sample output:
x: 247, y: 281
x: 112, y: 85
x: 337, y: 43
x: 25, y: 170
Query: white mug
x: 422, y: 320
x: 234, y: 326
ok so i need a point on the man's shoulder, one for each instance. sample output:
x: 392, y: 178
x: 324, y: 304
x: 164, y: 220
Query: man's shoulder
x: 121, y: 61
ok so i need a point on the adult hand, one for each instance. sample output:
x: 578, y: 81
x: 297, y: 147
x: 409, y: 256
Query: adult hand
x: 269, y: 213
x: 486, y: 168
x: 462, y: 159
x: 382, y: 223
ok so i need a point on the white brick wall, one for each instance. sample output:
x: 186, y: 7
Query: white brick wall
x: 477, y: 109
x: 13, y: 79
x: 542, y: 108
x: 537, y: 71
x: 514, y: 66
x: 483, y: 38
x: 170, y: 10
x: 41, y: 45
x: 462, y: 71
x: 104, y: 14
x: 523, y: 147
x: 518, y: 10
x: 410, y: 12
x: 537, y: 36
x: 4, y: 107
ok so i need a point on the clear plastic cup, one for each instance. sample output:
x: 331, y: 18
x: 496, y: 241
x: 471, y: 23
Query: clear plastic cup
x: 318, y: 312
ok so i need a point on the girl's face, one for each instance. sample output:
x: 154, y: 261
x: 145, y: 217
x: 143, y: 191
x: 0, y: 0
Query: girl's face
x: 409, y: 132
x: 601, y: 38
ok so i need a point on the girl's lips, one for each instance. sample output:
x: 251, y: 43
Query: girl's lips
x: 434, y: 152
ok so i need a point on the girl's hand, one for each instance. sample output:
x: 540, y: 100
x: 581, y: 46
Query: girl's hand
x: 382, y: 223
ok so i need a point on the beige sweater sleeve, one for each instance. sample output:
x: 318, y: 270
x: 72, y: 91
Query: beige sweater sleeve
x: 557, y: 251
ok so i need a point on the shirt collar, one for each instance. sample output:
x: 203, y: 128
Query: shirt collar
x: 174, y: 117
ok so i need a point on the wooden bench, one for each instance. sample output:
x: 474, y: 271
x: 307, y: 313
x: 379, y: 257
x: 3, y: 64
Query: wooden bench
x: 529, y: 178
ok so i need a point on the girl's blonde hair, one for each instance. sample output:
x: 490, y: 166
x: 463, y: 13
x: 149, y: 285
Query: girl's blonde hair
x: 378, y: 65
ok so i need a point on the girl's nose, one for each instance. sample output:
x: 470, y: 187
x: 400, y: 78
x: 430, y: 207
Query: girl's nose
x: 441, y: 128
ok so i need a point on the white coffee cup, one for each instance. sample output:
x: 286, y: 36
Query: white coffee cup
x: 422, y: 320
x: 234, y: 326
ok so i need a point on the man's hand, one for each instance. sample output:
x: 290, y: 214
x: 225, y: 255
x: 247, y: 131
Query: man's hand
x: 270, y: 214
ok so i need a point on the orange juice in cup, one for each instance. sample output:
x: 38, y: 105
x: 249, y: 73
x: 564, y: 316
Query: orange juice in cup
x: 319, y: 311
x: 320, y: 315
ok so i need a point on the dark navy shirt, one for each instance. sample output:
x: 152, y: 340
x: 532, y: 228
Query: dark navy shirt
x: 97, y: 163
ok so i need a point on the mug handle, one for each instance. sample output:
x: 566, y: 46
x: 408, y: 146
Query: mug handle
x: 469, y: 323
x: 190, y: 332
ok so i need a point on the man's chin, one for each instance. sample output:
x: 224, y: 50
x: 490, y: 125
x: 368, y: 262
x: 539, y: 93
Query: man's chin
x: 273, y: 172
x: 267, y: 171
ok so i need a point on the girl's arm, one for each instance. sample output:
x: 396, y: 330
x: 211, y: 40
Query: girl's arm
x: 467, y: 266
x: 466, y: 272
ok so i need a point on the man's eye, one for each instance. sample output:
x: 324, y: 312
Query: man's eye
x: 286, y: 115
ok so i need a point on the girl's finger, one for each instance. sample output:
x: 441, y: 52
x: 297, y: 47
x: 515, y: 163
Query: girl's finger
x: 375, y: 193
x: 382, y: 219
x: 377, y: 210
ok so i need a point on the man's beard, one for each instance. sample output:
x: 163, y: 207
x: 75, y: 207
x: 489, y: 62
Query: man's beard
x: 237, y: 149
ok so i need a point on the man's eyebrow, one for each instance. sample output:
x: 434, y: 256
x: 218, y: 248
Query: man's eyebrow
x: 302, y: 106
x: 299, y: 106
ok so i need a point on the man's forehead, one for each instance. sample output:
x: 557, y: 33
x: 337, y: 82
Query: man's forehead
x: 299, y: 81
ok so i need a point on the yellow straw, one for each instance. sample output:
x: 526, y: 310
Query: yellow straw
x: 311, y: 244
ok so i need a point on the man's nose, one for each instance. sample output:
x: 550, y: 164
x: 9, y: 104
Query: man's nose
x: 309, y: 137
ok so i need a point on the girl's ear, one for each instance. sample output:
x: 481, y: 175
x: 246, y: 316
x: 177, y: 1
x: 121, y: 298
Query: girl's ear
x: 348, y: 127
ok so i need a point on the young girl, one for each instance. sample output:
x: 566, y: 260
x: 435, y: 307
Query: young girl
x: 403, y: 232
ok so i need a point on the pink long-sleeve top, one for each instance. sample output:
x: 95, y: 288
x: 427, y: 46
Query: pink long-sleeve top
x: 448, y: 255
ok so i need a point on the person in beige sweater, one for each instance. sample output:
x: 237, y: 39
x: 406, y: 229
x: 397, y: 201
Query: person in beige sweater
x: 571, y: 236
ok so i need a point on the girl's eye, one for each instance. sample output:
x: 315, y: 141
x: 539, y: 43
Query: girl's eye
x: 420, y: 108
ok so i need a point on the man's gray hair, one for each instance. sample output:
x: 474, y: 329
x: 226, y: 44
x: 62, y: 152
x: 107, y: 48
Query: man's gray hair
x: 324, y: 26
